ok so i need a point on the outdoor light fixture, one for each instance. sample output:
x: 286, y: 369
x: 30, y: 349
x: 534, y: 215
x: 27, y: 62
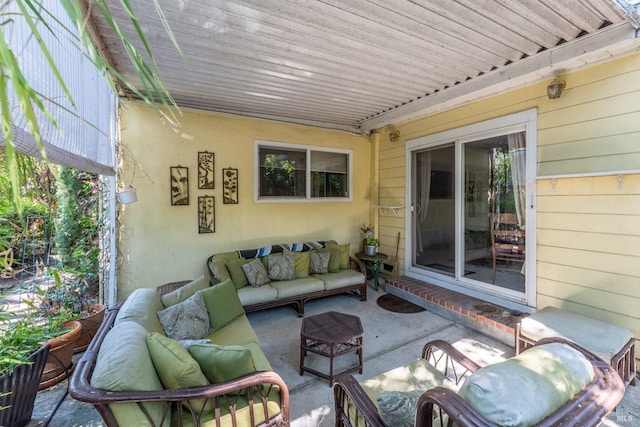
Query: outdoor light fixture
x: 127, y: 196
x: 555, y: 88
x: 394, y: 135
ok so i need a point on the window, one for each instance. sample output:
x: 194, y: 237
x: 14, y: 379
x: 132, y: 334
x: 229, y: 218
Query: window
x: 288, y: 171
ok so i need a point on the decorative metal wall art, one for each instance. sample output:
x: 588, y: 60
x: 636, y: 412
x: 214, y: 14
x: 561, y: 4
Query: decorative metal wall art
x: 206, y: 214
x: 179, y: 185
x: 206, y: 169
x: 230, y: 186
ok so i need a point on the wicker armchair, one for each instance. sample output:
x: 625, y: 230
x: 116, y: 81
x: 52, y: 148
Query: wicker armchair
x: 444, y: 407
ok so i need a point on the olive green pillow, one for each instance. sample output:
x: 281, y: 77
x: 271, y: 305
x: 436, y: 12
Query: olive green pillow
x: 223, y: 363
x: 223, y: 304
x: 176, y: 368
x: 344, y: 254
x: 184, y: 292
x: 301, y: 262
x: 219, y: 269
x: 237, y: 273
x: 334, y: 260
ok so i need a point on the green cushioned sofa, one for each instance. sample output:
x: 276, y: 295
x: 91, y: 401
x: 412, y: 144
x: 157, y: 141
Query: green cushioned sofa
x: 345, y: 274
x: 136, y: 375
x: 555, y: 382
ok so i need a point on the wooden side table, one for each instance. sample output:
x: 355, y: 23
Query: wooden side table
x: 372, y: 263
x: 331, y: 334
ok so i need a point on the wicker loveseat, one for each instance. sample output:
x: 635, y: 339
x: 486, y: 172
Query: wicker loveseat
x: 555, y: 382
x: 343, y: 274
x: 134, y: 374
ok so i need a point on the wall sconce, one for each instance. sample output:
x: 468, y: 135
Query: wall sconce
x: 394, y: 135
x: 127, y: 196
x: 555, y: 88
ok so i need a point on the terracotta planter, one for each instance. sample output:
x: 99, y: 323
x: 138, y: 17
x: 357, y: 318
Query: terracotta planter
x: 18, y: 390
x: 90, y: 325
x: 59, y: 363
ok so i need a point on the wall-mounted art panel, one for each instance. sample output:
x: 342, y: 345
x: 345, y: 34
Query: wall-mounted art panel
x: 206, y: 170
x: 230, y: 186
x: 206, y: 214
x: 179, y: 185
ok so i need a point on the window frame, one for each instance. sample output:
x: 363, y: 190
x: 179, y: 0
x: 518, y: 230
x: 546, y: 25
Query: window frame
x: 257, y: 198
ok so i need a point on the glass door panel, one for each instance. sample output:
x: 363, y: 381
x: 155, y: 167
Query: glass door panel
x: 434, y: 216
x: 494, y: 211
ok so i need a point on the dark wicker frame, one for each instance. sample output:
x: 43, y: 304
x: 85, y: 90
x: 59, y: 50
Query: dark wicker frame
x: 298, y: 301
x: 587, y: 408
x: 254, y: 387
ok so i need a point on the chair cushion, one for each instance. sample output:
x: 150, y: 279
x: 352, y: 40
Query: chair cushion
x: 237, y: 273
x: 237, y: 332
x: 142, y: 307
x: 341, y: 279
x: 188, y: 320
x: 184, y: 292
x: 601, y: 338
x: 176, y: 368
x: 525, y: 389
x: 223, y: 304
x: 223, y: 363
x: 398, y: 408
x: 264, y: 293
x: 344, y: 253
x: 297, y: 287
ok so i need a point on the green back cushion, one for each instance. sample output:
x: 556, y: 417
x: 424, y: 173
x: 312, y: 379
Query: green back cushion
x: 223, y: 363
x: 343, y: 251
x: 300, y: 263
x: 223, y: 304
x: 237, y: 273
x: 218, y: 267
x: 184, y: 292
x: 176, y: 368
x: 141, y: 307
x: 523, y: 390
x: 125, y: 343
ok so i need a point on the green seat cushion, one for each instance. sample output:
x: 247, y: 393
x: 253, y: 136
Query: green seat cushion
x: 141, y: 307
x: 398, y: 408
x: 525, y: 389
x: 244, y: 416
x: 223, y: 363
x: 238, y: 332
x: 223, y: 304
x: 260, y: 361
x: 601, y: 338
x: 341, y: 279
x: 297, y: 287
x: 249, y: 295
x: 115, y: 371
x: 184, y: 292
x: 237, y: 273
x: 176, y: 368
x: 343, y: 254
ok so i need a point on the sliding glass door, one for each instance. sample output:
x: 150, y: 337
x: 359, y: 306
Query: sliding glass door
x: 469, y: 214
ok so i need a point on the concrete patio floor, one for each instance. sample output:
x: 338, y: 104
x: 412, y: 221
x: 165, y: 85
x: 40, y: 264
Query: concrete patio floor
x: 390, y: 339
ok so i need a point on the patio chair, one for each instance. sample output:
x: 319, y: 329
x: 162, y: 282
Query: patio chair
x: 507, y: 243
x: 556, y: 382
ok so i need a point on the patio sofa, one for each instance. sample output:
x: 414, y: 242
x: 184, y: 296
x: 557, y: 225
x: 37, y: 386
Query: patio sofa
x: 555, y: 382
x: 135, y: 374
x: 312, y: 270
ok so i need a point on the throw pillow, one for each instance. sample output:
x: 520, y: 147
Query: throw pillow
x: 301, y: 262
x: 398, y: 408
x: 188, y: 343
x: 344, y: 254
x: 184, y: 292
x: 281, y: 267
x: 176, y: 368
x: 223, y: 363
x: 334, y: 259
x: 223, y: 304
x: 237, y: 273
x: 218, y: 267
x: 186, y: 320
x: 319, y: 262
x: 256, y: 273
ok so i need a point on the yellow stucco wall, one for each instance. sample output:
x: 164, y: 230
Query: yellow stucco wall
x: 159, y: 243
x: 593, y: 128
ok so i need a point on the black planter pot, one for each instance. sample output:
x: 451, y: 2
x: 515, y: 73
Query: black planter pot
x: 22, y: 386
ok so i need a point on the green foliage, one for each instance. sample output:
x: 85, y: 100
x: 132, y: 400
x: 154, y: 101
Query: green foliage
x: 78, y: 220
x: 372, y: 241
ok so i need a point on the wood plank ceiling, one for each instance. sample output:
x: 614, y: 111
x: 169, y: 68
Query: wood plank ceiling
x: 358, y: 64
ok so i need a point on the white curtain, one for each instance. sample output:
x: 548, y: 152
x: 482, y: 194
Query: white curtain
x: 517, y: 156
x: 423, y: 161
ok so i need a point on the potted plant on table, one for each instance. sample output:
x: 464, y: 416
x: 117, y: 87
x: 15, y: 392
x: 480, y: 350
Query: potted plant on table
x: 371, y: 247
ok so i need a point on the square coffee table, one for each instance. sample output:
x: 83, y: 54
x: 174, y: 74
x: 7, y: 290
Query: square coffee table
x: 331, y: 334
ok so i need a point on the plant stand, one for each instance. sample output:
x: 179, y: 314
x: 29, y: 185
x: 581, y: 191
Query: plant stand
x: 21, y: 388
